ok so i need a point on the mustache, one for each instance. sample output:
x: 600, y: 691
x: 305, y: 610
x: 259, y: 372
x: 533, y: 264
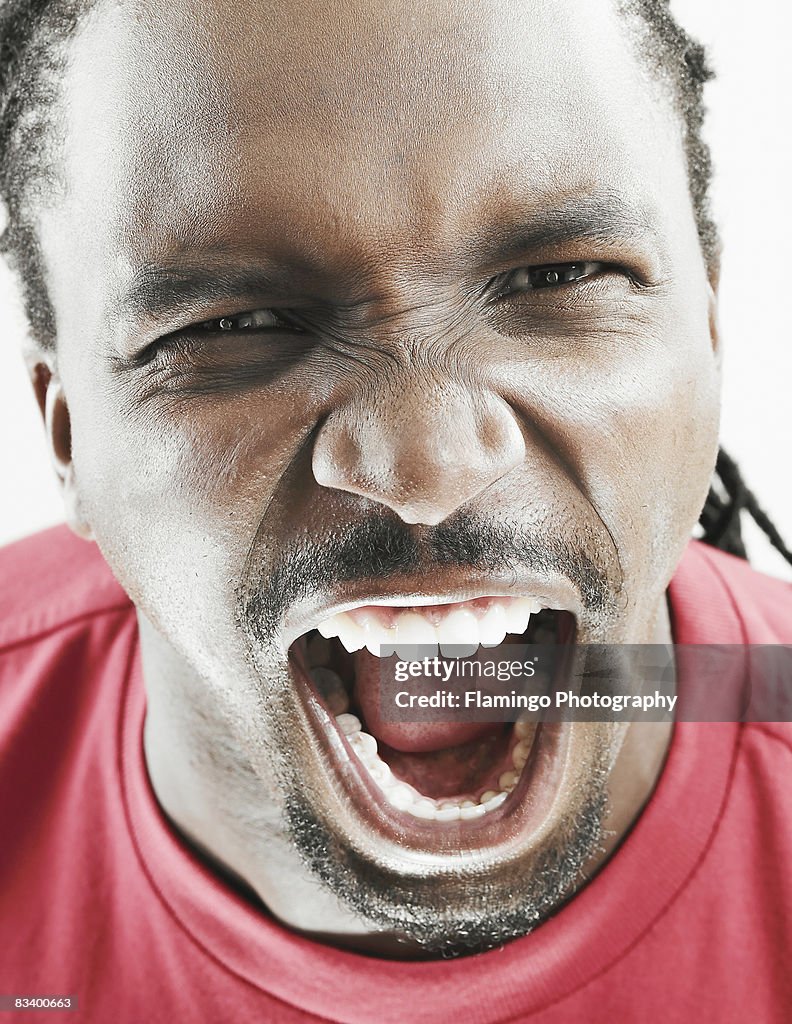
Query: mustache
x: 384, y: 548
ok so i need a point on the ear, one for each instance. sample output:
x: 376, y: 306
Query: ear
x: 713, y: 280
x: 714, y: 326
x: 713, y: 277
x: 57, y: 424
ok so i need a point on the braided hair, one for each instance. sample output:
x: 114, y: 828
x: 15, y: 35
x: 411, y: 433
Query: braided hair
x: 720, y: 519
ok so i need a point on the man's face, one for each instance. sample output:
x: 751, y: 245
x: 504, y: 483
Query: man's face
x: 455, y: 344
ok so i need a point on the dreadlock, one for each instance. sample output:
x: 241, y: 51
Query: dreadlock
x: 33, y: 34
x: 720, y: 518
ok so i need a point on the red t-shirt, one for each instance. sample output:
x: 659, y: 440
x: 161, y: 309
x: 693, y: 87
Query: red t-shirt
x: 691, y: 920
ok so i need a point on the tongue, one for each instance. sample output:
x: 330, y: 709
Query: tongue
x: 410, y: 737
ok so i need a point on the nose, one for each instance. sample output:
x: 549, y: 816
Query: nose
x: 425, y: 454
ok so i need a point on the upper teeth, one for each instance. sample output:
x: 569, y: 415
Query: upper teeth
x: 459, y: 632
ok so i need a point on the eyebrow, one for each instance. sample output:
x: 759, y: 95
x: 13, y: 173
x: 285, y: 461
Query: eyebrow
x: 163, y: 290
x: 605, y: 217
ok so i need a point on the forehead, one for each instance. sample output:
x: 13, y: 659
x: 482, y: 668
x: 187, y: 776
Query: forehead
x: 296, y: 124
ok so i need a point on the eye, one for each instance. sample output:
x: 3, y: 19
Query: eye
x: 200, y: 341
x: 551, y: 275
x: 255, y: 320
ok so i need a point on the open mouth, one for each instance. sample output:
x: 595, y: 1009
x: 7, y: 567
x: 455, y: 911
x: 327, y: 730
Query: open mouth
x: 430, y: 774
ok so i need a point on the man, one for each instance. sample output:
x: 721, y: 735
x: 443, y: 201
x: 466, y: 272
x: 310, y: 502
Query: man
x: 358, y: 325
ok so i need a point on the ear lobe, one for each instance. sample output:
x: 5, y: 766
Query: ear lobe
x: 57, y: 424
x: 58, y: 427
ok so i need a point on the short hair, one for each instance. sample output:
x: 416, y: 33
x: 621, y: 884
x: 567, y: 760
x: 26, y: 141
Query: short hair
x: 33, y: 34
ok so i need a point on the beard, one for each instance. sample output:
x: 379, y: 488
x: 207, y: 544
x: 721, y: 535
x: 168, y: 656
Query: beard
x: 448, y: 906
x: 457, y: 913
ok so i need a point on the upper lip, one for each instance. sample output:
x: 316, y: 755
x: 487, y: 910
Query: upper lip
x: 555, y: 592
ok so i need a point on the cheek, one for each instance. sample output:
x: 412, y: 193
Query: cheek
x: 685, y: 438
x: 650, y: 456
x: 631, y: 415
x: 175, y: 494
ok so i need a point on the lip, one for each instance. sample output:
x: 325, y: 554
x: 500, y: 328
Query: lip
x: 518, y: 818
x: 555, y: 593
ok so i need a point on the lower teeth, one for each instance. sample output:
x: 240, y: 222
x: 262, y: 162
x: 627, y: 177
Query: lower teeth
x: 406, y: 798
x: 402, y: 795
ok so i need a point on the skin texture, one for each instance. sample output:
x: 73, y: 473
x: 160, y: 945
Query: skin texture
x: 370, y: 169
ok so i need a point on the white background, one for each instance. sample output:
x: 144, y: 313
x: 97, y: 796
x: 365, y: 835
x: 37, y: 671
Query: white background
x: 750, y: 114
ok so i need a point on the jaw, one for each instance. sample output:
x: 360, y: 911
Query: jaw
x: 383, y: 871
x: 458, y: 887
